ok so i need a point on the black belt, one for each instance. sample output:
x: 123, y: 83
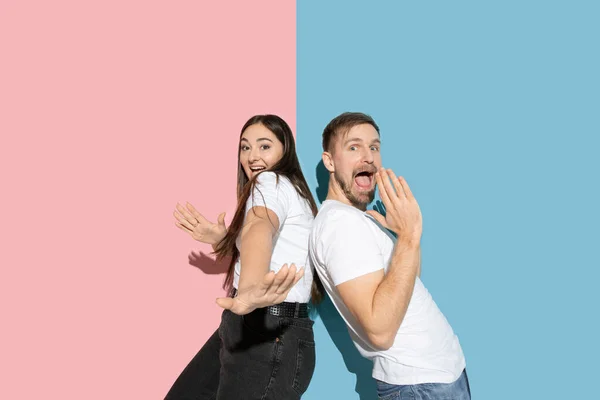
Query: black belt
x: 285, y: 309
x: 289, y: 310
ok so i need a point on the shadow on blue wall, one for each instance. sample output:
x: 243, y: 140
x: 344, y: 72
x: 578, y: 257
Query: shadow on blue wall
x: 335, y: 325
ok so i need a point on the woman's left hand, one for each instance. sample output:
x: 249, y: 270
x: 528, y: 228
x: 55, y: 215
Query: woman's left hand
x: 272, y: 290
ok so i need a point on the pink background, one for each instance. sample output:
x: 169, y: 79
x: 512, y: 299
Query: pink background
x: 111, y: 113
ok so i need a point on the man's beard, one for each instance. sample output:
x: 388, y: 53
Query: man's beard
x: 362, y: 200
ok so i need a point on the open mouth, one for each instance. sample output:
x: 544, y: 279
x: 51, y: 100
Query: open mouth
x: 257, y: 169
x: 364, y: 180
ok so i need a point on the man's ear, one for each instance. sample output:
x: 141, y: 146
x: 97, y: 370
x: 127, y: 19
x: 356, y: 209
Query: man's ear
x: 328, y: 161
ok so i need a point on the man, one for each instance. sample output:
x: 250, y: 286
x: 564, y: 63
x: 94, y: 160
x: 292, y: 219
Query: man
x: 373, y: 278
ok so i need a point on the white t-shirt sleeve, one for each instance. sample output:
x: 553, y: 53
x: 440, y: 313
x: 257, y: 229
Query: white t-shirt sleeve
x: 350, y: 248
x: 272, y: 193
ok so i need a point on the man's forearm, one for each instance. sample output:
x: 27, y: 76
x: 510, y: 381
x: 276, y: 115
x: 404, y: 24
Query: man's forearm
x: 393, y: 294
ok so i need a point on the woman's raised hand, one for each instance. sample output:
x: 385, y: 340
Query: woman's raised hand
x: 191, y: 221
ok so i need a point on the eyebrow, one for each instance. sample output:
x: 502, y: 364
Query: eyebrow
x: 376, y: 141
x: 352, y: 140
x: 258, y: 140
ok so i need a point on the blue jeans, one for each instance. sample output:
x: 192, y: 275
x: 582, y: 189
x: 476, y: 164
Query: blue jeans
x: 457, y: 390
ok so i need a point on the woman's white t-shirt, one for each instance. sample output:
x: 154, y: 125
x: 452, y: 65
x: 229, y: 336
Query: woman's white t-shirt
x: 290, y: 244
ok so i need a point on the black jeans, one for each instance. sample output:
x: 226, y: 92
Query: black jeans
x: 255, y: 356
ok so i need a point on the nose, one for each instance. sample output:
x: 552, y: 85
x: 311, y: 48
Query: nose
x: 367, y: 156
x: 254, y: 155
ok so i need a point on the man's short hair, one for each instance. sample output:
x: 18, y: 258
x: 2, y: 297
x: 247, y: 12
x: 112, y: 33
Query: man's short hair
x: 342, y: 124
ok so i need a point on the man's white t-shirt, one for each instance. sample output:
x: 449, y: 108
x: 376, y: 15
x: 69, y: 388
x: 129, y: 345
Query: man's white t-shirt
x: 346, y: 243
x: 290, y: 244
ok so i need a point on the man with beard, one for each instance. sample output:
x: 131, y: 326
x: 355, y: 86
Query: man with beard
x: 372, y: 277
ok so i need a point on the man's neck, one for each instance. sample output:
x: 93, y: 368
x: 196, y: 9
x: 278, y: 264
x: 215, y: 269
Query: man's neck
x: 336, y: 193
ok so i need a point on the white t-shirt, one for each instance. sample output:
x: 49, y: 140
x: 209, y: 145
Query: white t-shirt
x: 346, y: 243
x: 290, y: 244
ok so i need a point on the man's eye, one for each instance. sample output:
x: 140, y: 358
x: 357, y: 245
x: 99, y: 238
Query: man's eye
x: 374, y: 148
x: 352, y: 148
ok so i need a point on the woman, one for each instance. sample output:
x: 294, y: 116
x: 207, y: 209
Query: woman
x: 263, y: 349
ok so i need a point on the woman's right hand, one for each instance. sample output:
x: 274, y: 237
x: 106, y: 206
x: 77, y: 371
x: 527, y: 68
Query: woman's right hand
x: 273, y: 289
x: 191, y: 221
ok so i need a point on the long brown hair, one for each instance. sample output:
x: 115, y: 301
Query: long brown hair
x: 288, y: 166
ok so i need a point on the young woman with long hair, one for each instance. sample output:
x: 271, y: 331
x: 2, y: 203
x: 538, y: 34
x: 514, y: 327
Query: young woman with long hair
x: 264, y: 347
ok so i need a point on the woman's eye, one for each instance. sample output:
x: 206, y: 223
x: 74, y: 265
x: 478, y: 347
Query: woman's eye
x: 244, y: 148
x: 265, y: 147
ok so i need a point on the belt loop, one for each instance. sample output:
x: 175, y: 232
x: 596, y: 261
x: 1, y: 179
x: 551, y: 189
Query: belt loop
x: 297, y: 310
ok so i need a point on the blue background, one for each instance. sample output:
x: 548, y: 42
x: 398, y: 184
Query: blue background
x: 491, y: 110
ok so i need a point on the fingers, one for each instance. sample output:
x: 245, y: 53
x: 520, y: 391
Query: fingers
x: 184, y: 212
x: 378, y: 217
x: 195, y: 214
x: 293, y: 276
x: 236, y: 306
x: 266, y: 283
x: 282, y: 275
x: 269, y: 278
x: 182, y: 221
x: 404, y: 184
x: 297, y: 278
x: 288, y: 283
x: 225, y: 302
x: 221, y: 219
x: 394, y: 190
x: 396, y: 183
x: 379, y: 177
x: 280, y: 278
x: 185, y: 216
x: 183, y: 228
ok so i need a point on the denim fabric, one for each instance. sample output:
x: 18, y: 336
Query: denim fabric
x: 255, y: 356
x: 457, y: 390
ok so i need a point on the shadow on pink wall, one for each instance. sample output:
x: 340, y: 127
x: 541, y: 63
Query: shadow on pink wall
x: 208, y: 264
